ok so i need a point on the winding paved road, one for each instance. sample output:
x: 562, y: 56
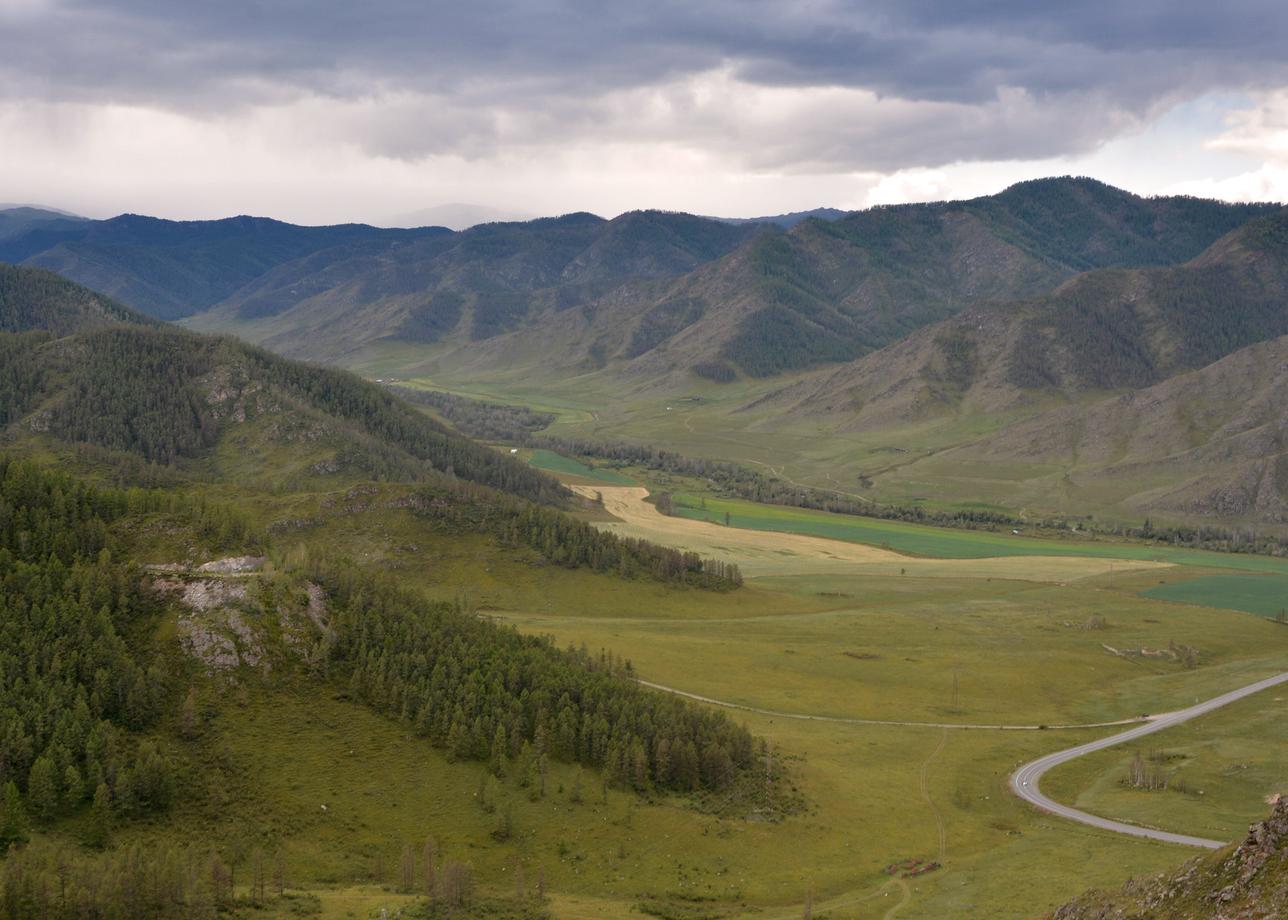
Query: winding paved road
x: 1024, y: 781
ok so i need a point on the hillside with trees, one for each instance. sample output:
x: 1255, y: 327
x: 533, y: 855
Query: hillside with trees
x: 136, y: 620
x: 648, y: 293
x: 1148, y: 390
x: 32, y: 300
x: 1108, y: 329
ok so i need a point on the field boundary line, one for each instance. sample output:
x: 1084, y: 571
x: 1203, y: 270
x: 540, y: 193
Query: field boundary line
x: 843, y: 720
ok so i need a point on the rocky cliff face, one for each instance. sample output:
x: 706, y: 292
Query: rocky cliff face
x: 1249, y: 882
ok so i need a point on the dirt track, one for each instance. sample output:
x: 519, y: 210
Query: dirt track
x: 762, y: 552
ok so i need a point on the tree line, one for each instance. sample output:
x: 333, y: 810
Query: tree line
x: 483, y: 691
x: 567, y: 541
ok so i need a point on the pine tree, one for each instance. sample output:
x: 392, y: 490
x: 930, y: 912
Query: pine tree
x: 99, y: 831
x: 42, y: 788
x: 13, y: 818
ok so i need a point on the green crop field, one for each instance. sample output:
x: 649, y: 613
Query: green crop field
x: 566, y: 466
x: 1264, y: 595
x: 944, y: 543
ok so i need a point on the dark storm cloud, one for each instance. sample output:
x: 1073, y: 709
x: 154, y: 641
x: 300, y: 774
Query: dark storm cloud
x: 545, y: 64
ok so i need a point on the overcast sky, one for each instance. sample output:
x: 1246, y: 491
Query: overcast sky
x: 329, y: 110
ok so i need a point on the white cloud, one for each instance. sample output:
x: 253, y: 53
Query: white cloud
x: 1258, y: 132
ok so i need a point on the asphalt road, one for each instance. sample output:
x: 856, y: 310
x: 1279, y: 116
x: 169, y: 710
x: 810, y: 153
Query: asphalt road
x: 1024, y: 781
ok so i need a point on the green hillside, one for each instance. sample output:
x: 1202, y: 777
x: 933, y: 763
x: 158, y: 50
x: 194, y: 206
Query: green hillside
x: 651, y: 294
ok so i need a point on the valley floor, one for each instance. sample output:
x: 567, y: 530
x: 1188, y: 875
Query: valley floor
x: 1029, y: 640
x: 900, y: 820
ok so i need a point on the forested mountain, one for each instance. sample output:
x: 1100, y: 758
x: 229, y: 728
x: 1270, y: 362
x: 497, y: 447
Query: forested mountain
x: 831, y: 291
x: 98, y: 649
x: 173, y: 398
x: 31, y: 299
x: 648, y: 294
x: 781, y: 300
x: 171, y: 269
x: 159, y: 403
x: 22, y: 219
x: 1107, y: 329
x: 473, y: 286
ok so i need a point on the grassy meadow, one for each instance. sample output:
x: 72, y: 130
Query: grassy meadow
x: 941, y: 647
x: 987, y: 634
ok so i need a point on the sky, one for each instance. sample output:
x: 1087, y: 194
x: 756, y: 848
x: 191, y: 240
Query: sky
x: 332, y: 110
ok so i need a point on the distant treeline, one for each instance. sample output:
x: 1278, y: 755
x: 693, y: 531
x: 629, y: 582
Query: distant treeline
x: 517, y: 425
x: 488, y: 421
x: 483, y: 691
x: 163, y: 882
x: 738, y: 481
x: 566, y: 541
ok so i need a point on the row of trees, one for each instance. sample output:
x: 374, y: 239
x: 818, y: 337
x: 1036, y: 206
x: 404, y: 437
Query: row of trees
x: 485, y: 692
x: 566, y: 541
x: 168, y: 883
x: 488, y: 421
x: 738, y: 481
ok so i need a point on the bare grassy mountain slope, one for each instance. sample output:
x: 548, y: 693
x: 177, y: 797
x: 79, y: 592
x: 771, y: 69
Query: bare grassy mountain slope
x: 1104, y: 330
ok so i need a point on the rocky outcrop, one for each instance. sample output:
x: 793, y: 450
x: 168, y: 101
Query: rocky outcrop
x: 1248, y: 882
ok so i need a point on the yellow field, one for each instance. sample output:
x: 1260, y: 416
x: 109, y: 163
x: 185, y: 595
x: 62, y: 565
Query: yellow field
x: 773, y: 553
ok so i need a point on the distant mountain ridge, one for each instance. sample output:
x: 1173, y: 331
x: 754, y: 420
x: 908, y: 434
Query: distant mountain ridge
x: 17, y: 220
x: 1161, y: 388
x: 663, y: 296
x: 652, y: 293
x: 172, y: 269
x: 790, y: 219
x: 1105, y: 329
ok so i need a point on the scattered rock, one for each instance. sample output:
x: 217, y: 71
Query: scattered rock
x: 233, y: 565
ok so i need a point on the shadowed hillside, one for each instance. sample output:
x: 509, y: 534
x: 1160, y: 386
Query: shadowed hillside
x: 653, y: 294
